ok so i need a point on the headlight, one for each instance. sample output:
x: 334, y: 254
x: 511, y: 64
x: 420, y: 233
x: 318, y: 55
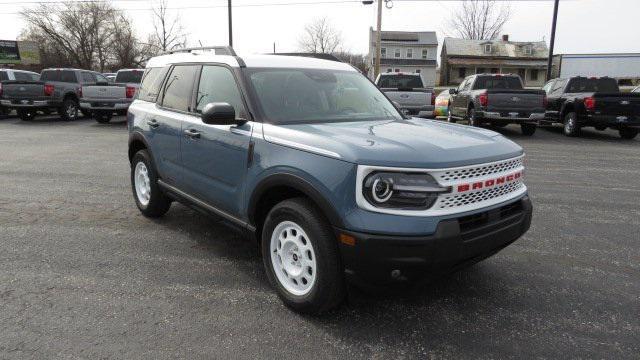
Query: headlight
x: 409, y: 191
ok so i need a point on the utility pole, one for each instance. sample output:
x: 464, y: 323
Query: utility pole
x: 376, y: 68
x: 230, y: 25
x: 553, y: 38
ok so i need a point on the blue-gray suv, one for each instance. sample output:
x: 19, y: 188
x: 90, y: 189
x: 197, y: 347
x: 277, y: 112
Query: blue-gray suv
x: 321, y: 170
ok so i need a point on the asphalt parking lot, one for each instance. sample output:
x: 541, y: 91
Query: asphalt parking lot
x: 84, y: 275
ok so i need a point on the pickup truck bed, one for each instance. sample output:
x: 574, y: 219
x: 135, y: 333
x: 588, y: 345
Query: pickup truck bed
x: 408, y: 92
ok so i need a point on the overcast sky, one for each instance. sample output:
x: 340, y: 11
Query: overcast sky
x: 583, y: 25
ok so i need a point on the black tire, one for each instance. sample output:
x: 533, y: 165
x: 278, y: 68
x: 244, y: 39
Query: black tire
x: 328, y: 290
x: 102, y: 117
x: 26, y: 115
x: 158, y: 203
x: 571, y: 127
x: 528, y: 129
x: 69, y: 110
x: 628, y: 133
x: 471, y: 115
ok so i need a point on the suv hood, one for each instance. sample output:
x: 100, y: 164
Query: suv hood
x: 400, y: 143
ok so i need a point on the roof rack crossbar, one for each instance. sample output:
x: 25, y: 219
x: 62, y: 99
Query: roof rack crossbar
x: 219, y: 50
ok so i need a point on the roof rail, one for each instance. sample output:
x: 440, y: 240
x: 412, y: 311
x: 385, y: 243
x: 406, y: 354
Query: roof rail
x: 219, y: 50
x: 311, y: 55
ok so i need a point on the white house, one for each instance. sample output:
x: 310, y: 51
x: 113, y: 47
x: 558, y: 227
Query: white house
x: 406, y: 51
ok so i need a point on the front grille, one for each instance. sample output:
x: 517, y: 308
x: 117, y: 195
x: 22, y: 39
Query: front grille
x: 457, y: 200
x: 478, y: 171
x: 472, y: 222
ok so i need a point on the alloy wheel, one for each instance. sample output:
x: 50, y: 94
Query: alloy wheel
x: 292, y: 258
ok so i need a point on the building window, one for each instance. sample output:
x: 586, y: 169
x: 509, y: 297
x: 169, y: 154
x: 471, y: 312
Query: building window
x: 487, y: 48
x: 418, y: 71
x: 389, y: 70
x: 409, y: 53
x: 397, y: 53
x: 528, y: 50
x: 462, y: 72
x: 425, y: 53
x: 533, y: 74
x: 479, y: 70
x: 397, y: 70
x: 383, y: 52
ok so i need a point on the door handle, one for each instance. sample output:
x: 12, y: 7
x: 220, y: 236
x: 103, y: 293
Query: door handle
x: 192, y: 133
x: 153, y: 123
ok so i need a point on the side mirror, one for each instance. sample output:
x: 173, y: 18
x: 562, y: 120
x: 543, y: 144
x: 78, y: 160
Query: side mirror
x: 219, y: 114
x: 453, y: 91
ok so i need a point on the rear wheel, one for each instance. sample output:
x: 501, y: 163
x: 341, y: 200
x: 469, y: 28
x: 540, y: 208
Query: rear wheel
x: 628, y: 133
x: 151, y: 201
x: 301, y: 258
x: 571, y: 127
x: 102, y: 117
x: 528, y: 129
x: 69, y: 110
x: 26, y: 115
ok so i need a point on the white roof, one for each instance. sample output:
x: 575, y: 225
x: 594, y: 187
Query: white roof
x: 252, y: 61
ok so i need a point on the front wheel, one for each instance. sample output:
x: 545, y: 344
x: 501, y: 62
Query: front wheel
x: 628, y: 133
x: 571, y: 127
x: 26, y: 115
x: 528, y: 129
x: 151, y: 201
x: 301, y: 258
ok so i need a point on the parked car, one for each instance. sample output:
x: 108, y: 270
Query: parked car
x: 331, y: 186
x: 7, y: 75
x: 57, y: 89
x: 442, y: 104
x: 579, y: 102
x: 408, y: 91
x: 103, y: 99
x: 497, y: 99
x: 111, y: 77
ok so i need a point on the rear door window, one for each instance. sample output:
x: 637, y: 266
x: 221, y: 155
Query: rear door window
x: 151, y: 83
x: 129, y: 76
x: 179, y: 87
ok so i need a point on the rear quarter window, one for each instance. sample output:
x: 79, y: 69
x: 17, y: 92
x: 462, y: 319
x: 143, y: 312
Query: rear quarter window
x: 151, y: 83
x: 129, y: 76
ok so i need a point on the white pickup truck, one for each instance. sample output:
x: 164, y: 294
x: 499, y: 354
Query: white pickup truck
x: 408, y: 92
x: 103, y: 99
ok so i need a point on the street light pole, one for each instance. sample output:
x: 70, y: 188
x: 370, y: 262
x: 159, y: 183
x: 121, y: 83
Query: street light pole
x: 553, y: 38
x: 230, y: 25
x: 376, y: 68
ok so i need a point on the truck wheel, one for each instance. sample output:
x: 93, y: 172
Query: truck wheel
x: 301, y: 259
x: 528, y: 129
x: 26, y: 115
x: 69, y: 110
x: 151, y: 201
x: 571, y: 127
x: 473, y: 121
x: 628, y: 133
x: 102, y: 117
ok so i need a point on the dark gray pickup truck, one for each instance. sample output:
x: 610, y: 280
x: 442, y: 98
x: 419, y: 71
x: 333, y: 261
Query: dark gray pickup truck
x: 57, y: 90
x: 497, y: 99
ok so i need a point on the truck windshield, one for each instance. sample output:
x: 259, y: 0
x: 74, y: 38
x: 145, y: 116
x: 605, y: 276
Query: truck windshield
x: 400, y: 82
x: 498, y: 82
x: 129, y: 76
x: 579, y: 85
x: 289, y: 96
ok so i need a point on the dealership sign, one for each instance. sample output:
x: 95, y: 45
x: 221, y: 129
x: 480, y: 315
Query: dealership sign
x: 19, y: 52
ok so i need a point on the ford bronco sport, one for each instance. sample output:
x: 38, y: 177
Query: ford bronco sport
x: 318, y: 167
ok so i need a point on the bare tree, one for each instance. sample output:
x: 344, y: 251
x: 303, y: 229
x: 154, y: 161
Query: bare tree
x: 479, y: 19
x: 320, y: 37
x: 168, y: 30
x: 357, y: 60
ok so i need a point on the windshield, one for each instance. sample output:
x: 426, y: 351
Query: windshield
x: 306, y: 95
x: 400, y: 81
x: 579, y: 85
x: 129, y: 76
x: 498, y: 82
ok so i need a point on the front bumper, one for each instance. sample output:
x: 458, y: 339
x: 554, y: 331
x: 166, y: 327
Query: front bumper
x: 114, y: 105
x: 511, y: 117
x: 382, y: 259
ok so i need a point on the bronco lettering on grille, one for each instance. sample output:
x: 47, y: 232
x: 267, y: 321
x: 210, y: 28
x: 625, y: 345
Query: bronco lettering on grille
x: 489, y: 183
